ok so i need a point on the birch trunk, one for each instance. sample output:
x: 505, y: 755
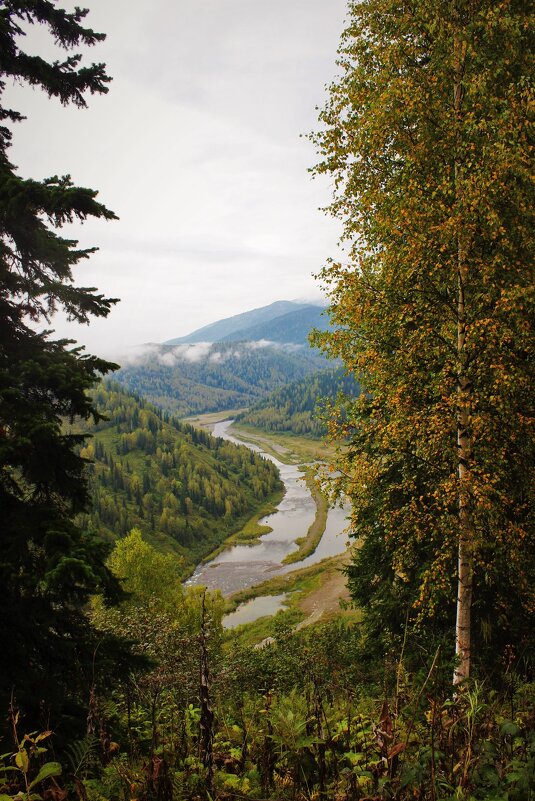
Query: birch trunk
x: 464, y: 392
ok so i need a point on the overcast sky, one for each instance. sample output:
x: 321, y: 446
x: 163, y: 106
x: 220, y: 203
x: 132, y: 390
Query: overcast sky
x: 197, y: 148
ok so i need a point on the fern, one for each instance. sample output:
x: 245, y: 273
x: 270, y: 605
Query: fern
x: 81, y: 755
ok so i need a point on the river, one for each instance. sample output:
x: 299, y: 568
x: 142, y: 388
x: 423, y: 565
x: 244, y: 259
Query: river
x: 242, y: 566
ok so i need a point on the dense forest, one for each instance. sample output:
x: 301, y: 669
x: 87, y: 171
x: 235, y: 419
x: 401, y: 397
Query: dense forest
x: 292, y: 328
x: 301, y: 407
x: 181, y: 487
x: 203, y: 377
x: 119, y: 683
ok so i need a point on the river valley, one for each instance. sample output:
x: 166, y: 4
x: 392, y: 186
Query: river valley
x: 243, y: 566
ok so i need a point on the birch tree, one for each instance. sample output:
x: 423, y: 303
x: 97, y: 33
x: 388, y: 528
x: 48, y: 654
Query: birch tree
x: 426, y: 138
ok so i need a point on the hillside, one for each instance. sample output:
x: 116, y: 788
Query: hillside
x: 231, y: 326
x: 186, y: 490
x: 293, y: 327
x: 295, y: 408
x: 196, y: 378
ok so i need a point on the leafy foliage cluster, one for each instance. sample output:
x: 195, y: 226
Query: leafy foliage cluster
x: 314, y: 714
x: 426, y: 138
x: 298, y: 407
x: 226, y: 376
x: 180, y: 486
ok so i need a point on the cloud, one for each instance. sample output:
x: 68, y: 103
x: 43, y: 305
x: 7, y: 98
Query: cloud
x: 197, y: 352
x: 167, y: 359
x: 194, y: 353
x: 138, y: 354
x: 261, y: 343
x: 218, y: 211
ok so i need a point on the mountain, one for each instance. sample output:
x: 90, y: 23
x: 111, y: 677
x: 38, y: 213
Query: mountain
x: 292, y: 327
x: 296, y: 407
x: 230, y: 326
x: 194, y: 378
x: 231, y: 363
x: 186, y: 490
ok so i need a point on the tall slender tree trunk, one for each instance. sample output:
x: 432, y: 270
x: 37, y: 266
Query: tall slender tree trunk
x: 464, y: 396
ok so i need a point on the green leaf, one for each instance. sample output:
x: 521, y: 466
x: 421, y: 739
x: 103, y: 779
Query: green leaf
x: 22, y: 761
x: 49, y: 769
x: 509, y: 728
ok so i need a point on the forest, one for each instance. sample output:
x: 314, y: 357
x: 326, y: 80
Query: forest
x: 118, y: 682
x: 299, y: 407
x: 227, y: 376
x: 182, y: 488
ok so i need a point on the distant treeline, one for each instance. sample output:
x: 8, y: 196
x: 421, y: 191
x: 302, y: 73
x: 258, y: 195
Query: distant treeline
x: 299, y: 408
x: 179, y: 485
x: 222, y: 376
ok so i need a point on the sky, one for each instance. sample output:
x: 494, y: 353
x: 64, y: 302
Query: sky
x: 198, y: 149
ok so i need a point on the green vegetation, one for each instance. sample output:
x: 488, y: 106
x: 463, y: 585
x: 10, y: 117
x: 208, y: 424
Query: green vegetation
x: 310, y: 714
x: 425, y: 139
x: 309, y: 543
x: 297, y: 407
x: 48, y: 565
x: 192, y: 379
x: 183, y: 488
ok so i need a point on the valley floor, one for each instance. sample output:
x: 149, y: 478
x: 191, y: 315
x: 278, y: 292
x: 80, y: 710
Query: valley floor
x: 314, y: 593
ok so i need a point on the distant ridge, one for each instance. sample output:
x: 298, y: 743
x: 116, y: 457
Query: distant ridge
x: 291, y: 328
x: 230, y: 363
x: 228, y: 328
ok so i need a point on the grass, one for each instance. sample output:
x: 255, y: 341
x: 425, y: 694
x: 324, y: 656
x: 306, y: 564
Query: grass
x: 211, y: 418
x: 251, y: 634
x: 288, y: 448
x: 298, y: 585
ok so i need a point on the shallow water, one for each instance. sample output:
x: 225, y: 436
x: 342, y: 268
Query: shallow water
x: 251, y: 610
x: 242, y: 566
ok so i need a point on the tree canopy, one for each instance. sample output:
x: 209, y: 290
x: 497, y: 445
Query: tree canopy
x: 47, y: 566
x: 426, y: 138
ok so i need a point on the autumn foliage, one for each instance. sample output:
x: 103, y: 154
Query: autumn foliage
x: 426, y: 139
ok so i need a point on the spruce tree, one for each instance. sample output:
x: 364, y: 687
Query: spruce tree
x: 426, y: 137
x: 48, y: 567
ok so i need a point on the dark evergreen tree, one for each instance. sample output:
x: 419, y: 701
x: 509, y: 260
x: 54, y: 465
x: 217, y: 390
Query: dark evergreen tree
x: 48, y: 567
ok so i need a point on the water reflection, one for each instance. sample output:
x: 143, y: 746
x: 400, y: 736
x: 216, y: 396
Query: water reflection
x: 252, y: 610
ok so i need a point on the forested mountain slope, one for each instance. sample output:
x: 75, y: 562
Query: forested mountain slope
x: 230, y: 327
x: 184, y: 489
x: 204, y: 377
x: 296, y: 407
x: 291, y: 328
